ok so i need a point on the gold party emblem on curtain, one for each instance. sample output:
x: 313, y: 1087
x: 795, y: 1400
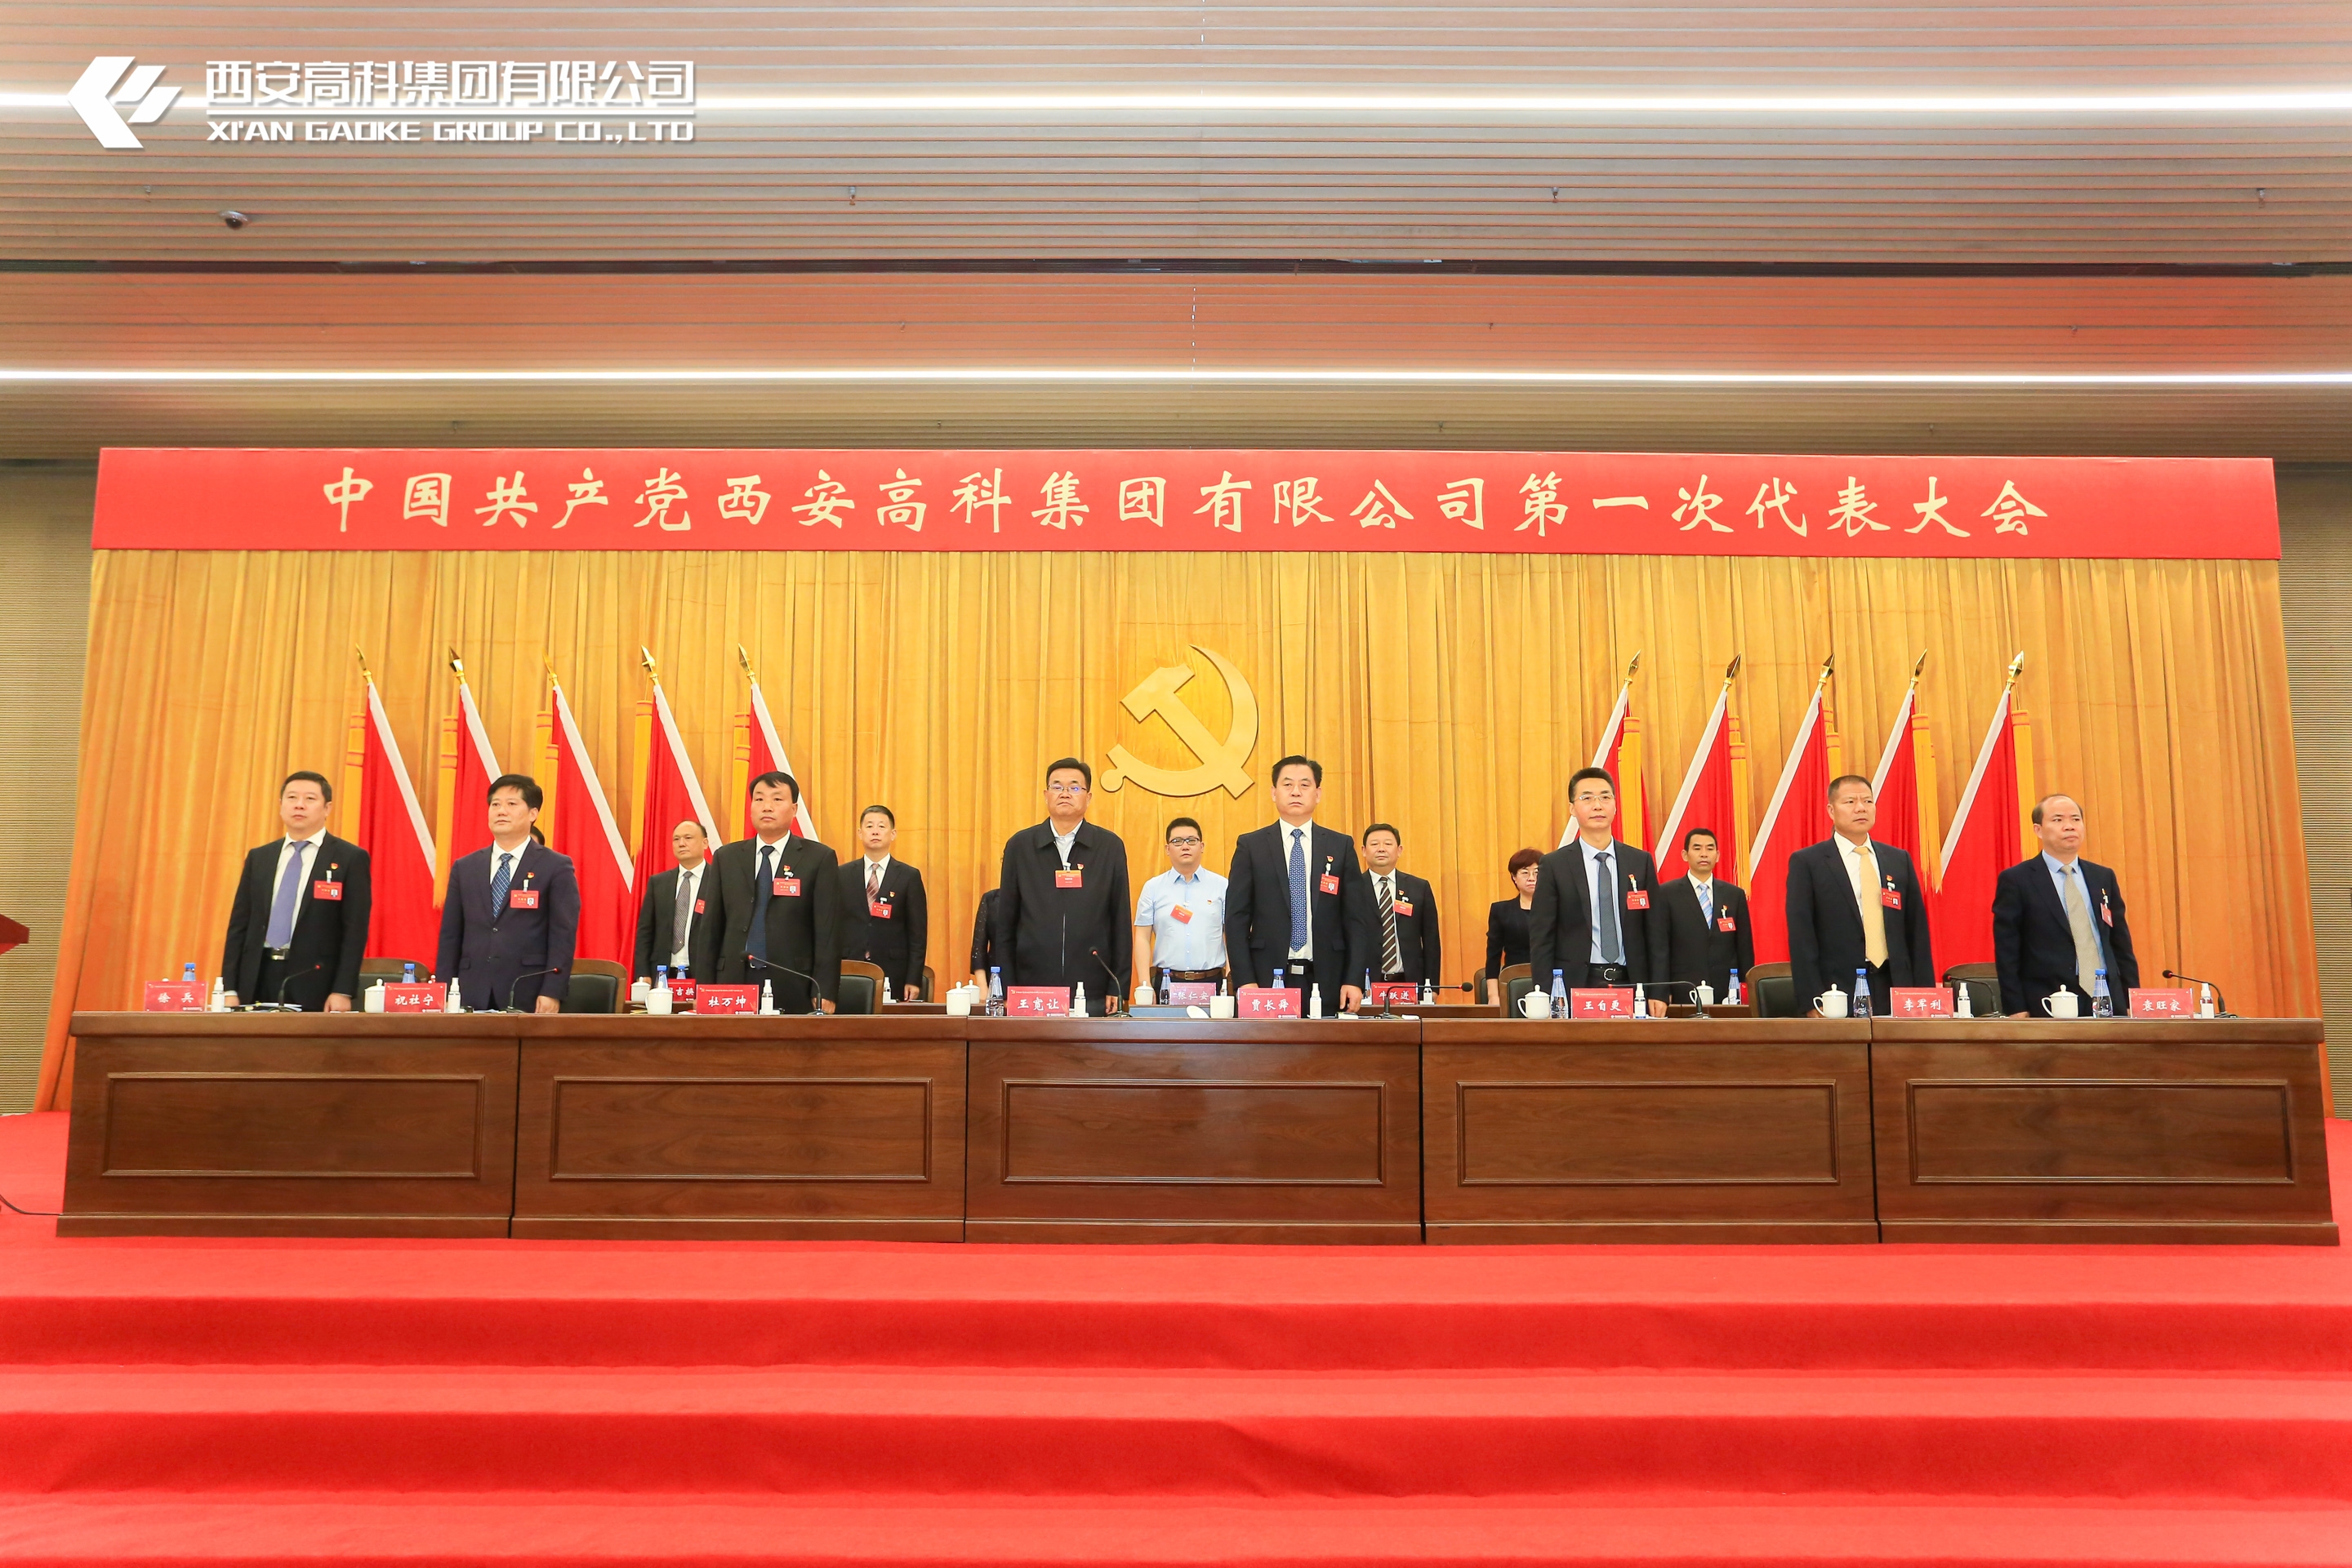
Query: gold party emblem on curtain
x: 1220, y: 762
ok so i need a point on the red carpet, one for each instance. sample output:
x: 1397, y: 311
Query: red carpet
x: 413, y: 1403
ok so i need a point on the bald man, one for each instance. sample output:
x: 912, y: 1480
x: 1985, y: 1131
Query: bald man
x: 2058, y: 920
x: 666, y: 916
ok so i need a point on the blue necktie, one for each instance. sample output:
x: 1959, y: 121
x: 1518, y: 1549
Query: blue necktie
x: 281, y: 910
x: 498, y: 881
x: 1612, y: 946
x: 1706, y: 904
x: 756, y: 944
x: 1297, y: 888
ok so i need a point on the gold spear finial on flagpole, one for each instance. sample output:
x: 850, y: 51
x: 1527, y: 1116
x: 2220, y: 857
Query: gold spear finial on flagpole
x: 2016, y: 667
x: 744, y: 660
x: 1631, y: 664
x: 1828, y: 665
x: 457, y: 666
x: 646, y: 658
x: 365, y: 674
x: 1918, y: 667
x: 1732, y: 671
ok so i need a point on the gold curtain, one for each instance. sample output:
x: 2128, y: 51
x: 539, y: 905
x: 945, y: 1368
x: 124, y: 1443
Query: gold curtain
x: 1451, y: 695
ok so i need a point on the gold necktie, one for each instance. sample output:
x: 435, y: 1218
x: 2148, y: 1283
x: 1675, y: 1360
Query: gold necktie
x: 2086, y: 941
x: 1874, y: 913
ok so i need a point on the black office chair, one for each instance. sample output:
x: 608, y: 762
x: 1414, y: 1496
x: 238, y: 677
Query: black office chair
x: 1983, y: 983
x: 1516, y: 987
x: 1773, y: 991
x: 591, y: 994
x: 857, y: 994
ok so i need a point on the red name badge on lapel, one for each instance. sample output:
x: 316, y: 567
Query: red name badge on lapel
x: 1600, y: 1002
x: 1725, y: 922
x: 1393, y: 992
x: 1889, y: 899
x: 1329, y: 882
x: 524, y: 898
x: 415, y: 998
x: 175, y: 996
x: 879, y: 908
x: 1403, y: 907
x: 1637, y: 899
x: 2163, y: 1002
x: 697, y: 907
x: 1920, y: 1001
x: 1037, y: 1002
x: 725, y: 999
x: 331, y: 891
x: 1259, y: 1001
x: 1071, y: 877
x: 788, y: 886
x: 2105, y: 913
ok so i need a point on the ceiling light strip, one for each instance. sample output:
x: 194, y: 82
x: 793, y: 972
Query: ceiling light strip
x: 1147, y: 375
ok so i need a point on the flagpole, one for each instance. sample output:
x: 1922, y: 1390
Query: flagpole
x: 587, y: 766
x: 1902, y: 723
x: 1984, y: 761
x: 802, y: 821
x: 678, y: 746
x: 1698, y: 757
x: 1609, y: 732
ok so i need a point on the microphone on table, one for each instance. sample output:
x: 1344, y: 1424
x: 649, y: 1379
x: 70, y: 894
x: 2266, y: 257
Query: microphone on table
x: 1689, y: 986
x: 1115, y: 993
x: 817, y: 992
x: 2221, y: 1007
x: 283, y: 981
x: 518, y: 979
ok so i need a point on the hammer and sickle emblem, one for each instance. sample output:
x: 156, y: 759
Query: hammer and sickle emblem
x: 1221, y: 762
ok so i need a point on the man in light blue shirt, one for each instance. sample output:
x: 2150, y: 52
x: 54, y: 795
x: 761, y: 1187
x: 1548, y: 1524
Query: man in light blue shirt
x: 1179, y: 920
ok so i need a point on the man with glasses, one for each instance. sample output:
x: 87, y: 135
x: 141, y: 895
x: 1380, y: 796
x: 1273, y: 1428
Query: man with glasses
x: 1062, y: 899
x: 1180, y: 921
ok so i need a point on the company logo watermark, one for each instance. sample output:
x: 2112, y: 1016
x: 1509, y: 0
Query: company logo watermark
x: 104, y: 85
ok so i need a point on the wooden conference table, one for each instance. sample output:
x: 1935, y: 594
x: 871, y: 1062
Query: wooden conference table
x: 1458, y: 1127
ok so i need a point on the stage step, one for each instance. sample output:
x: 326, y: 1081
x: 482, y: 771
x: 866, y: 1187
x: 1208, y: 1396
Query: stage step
x: 1010, y: 1433
x: 527, y: 1531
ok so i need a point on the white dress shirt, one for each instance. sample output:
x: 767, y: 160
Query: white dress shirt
x: 309, y: 848
x: 1197, y: 943
x: 1063, y: 841
x: 1706, y: 892
x: 1384, y: 884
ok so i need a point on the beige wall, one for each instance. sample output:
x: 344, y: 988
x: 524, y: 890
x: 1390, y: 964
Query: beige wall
x: 44, y: 622
x: 2314, y: 569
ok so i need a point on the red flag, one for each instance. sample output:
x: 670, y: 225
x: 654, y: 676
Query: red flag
x: 387, y: 822
x: 1985, y: 840
x: 1710, y: 794
x: 667, y: 790
x: 467, y: 765
x: 768, y: 757
x: 1906, y: 787
x: 580, y: 824
x: 1798, y: 815
x: 1620, y: 752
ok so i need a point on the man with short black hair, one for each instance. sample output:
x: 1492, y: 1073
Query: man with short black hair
x: 1397, y: 912
x: 774, y: 906
x: 885, y: 918
x: 1289, y: 899
x: 1708, y: 934
x: 1596, y: 916
x: 1179, y: 918
x: 2058, y: 920
x: 1063, y: 911
x: 1855, y: 904
x: 298, y: 926
x: 510, y: 916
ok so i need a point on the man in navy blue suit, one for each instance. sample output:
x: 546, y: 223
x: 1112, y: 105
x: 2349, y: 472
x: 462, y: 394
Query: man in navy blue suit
x: 511, y: 913
x: 2058, y: 920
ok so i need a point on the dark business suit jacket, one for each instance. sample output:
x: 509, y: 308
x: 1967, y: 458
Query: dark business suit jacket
x: 1506, y: 936
x: 1418, y: 946
x: 1697, y: 948
x: 330, y: 933
x: 983, y: 936
x: 1825, y: 940
x: 656, y: 912
x: 899, y: 944
x: 1046, y: 935
x: 803, y: 932
x: 1559, y: 923
x: 1258, y: 910
x: 2033, y: 947
x: 488, y: 954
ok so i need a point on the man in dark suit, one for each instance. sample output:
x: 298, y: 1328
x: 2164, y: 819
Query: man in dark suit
x: 1855, y: 905
x: 886, y: 919
x: 1063, y: 909
x: 1398, y: 911
x: 1707, y: 919
x: 672, y: 906
x: 773, y: 905
x: 1596, y: 916
x: 2058, y: 920
x: 511, y: 912
x: 1292, y: 897
x: 298, y: 926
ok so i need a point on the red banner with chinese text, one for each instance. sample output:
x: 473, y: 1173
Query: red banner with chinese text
x: 1579, y: 503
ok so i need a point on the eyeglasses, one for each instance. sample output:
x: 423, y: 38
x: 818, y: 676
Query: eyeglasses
x: 1184, y: 844
x: 1065, y: 789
